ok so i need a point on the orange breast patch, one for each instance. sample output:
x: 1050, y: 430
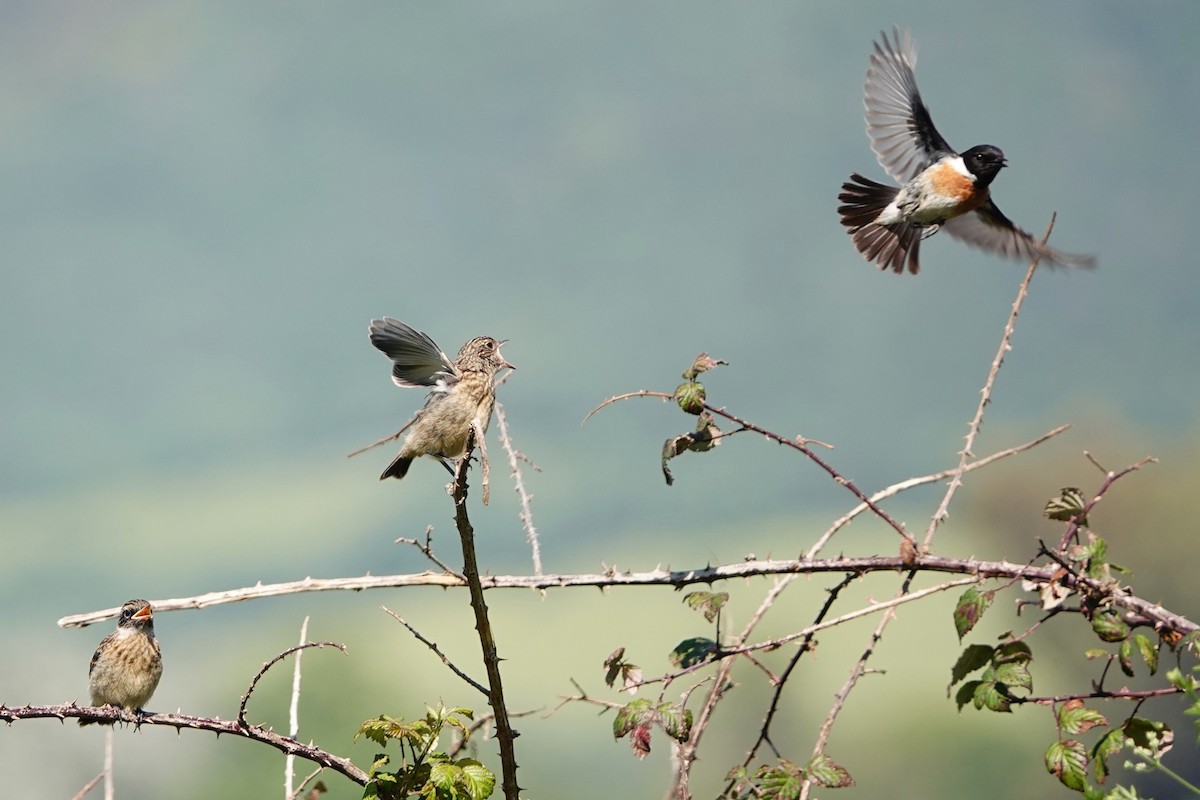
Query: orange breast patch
x: 948, y: 182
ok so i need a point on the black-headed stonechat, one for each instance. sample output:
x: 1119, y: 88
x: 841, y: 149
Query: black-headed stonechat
x: 127, y: 665
x: 940, y: 189
x: 462, y: 392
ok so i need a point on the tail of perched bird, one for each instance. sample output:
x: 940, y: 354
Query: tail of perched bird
x: 397, y: 469
x: 890, y: 246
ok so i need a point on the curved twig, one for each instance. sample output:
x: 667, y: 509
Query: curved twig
x: 241, y: 717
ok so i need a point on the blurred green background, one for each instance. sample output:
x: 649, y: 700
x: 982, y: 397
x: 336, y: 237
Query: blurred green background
x: 202, y: 205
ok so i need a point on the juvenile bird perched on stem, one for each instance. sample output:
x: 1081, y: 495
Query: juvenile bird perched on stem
x: 127, y: 665
x: 462, y: 392
x: 940, y: 189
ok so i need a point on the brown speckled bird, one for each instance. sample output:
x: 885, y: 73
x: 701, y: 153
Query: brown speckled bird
x: 463, y: 392
x: 127, y: 665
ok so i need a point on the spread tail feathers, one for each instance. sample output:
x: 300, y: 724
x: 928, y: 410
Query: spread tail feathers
x: 890, y: 246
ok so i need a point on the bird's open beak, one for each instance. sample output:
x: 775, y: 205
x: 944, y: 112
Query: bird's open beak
x: 505, y: 364
x: 145, y: 613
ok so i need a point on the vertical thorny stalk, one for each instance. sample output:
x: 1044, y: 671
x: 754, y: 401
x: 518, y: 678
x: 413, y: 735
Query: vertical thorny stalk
x: 487, y: 641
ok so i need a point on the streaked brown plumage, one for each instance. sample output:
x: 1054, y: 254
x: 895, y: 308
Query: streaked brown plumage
x: 463, y: 392
x: 127, y: 665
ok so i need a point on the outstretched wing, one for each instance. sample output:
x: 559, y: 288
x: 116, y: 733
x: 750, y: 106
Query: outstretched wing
x: 988, y: 229
x: 901, y: 131
x: 416, y: 358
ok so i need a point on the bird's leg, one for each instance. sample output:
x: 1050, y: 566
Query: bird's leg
x: 930, y: 230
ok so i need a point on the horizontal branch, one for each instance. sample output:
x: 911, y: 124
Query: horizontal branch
x: 1152, y: 612
x: 286, y: 744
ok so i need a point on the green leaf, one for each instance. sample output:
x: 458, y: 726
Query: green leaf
x: 1074, y: 717
x: 706, y: 436
x: 631, y: 715
x: 690, y: 397
x: 1069, y: 503
x: 1014, y: 653
x: 1108, y: 625
x: 708, y: 603
x: 703, y: 363
x: 824, y: 772
x: 676, y: 721
x: 972, y: 658
x: 1014, y: 675
x: 1109, y: 745
x: 1067, y: 761
x: 780, y: 782
x: 382, y: 729
x: 1125, y: 657
x: 1156, y: 737
x: 966, y: 694
x: 1148, y: 651
x: 990, y: 696
x: 693, y: 651
x: 443, y: 776
x: 970, y: 608
x: 478, y: 780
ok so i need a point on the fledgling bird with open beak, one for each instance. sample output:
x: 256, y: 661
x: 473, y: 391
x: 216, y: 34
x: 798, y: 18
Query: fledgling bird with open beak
x: 127, y: 665
x: 462, y: 392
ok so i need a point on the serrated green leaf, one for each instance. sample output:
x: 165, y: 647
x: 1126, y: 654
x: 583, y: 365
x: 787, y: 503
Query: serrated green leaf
x: 1014, y: 675
x: 1067, y: 761
x: 823, y: 771
x: 676, y: 721
x: 690, y: 397
x: 1013, y: 652
x: 970, y: 608
x: 1069, y: 503
x: 782, y: 782
x: 1074, y: 717
x: 972, y: 658
x: 708, y: 603
x: 443, y: 776
x: 693, y: 651
x: 381, y: 729
x: 988, y: 695
x: 478, y: 780
x: 703, y: 363
x: 381, y: 761
x: 966, y: 694
x: 1109, y: 745
x: 1148, y: 651
x: 1108, y: 626
x: 630, y: 716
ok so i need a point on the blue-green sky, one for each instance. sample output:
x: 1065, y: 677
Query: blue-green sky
x: 202, y: 205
